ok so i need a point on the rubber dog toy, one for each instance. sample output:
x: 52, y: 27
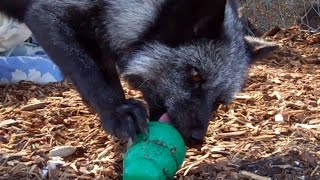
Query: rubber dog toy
x: 157, y: 155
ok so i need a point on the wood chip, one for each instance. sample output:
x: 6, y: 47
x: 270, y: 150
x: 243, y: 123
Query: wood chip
x: 15, y: 155
x: 32, y: 107
x: 9, y: 122
x: 315, y: 170
x: 295, y: 63
x: 254, y: 176
x: 261, y: 137
x: 242, y: 135
x: 231, y: 134
x: 307, y: 126
x: 243, y: 97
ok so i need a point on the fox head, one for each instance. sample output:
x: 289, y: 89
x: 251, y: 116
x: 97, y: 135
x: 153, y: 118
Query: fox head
x: 190, y: 79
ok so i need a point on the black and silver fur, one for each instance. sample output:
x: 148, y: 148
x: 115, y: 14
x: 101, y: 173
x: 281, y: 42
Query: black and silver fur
x: 156, y: 45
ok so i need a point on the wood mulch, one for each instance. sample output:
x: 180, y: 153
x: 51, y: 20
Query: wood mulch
x: 270, y: 131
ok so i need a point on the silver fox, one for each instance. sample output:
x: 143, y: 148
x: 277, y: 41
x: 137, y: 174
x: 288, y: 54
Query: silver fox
x: 186, y: 56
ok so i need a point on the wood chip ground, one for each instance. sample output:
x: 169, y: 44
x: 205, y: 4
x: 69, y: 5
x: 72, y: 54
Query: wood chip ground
x: 271, y: 130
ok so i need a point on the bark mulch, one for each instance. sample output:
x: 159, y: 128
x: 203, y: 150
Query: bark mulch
x: 270, y: 131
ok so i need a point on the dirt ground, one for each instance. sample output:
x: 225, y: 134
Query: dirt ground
x: 271, y: 130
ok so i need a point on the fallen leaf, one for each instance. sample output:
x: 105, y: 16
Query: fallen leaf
x: 63, y: 151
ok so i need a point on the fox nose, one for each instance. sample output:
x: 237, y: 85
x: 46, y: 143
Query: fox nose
x: 197, y: 137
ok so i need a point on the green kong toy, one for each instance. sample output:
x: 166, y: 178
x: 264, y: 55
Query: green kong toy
x: 156, y: 156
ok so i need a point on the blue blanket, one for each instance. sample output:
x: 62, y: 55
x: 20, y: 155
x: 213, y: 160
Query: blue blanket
x: 36, y: 68
x: 28, y: 62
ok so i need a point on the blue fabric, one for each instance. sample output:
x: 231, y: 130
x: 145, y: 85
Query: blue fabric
x: 36, y: 68
x: 28, y: 62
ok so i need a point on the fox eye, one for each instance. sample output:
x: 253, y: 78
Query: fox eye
x: 195, y: 75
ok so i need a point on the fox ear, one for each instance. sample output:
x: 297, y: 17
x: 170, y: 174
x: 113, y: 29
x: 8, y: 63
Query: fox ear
x: 259, y: 48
